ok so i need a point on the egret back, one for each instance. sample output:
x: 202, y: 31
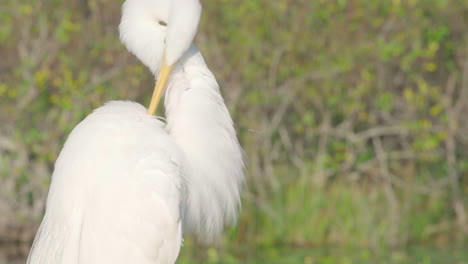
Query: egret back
x: 115, y: 192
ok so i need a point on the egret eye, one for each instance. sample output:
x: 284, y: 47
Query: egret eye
x: 162, y: 23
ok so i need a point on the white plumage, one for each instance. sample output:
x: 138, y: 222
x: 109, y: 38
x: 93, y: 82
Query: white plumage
x: 125, y: 184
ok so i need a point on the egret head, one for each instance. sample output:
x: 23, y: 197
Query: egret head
x: 159, y: 32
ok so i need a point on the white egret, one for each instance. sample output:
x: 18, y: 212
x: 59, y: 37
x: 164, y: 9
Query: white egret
x: 125, y: 183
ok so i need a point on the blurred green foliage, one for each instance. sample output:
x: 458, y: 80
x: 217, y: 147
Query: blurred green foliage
x: 351, y: 113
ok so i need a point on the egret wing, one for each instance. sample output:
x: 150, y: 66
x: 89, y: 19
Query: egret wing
x: 115, y: 193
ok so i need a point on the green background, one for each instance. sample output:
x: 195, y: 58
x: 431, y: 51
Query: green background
x: 353, y: 115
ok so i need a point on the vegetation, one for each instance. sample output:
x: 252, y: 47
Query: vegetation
x: 351, y: 113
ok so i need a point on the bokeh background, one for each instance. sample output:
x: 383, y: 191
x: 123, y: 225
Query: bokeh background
x: 353, y: 115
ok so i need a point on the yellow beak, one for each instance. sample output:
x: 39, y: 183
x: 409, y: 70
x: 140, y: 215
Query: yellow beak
x: 161, y: 81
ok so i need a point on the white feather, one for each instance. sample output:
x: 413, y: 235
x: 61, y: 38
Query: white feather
x: 141, y: 30
x: 115, y: 193
x: 199, y: 122
x: 184, y: 16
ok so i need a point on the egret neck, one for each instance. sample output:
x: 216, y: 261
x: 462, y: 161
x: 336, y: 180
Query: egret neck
x: 199, y: 122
